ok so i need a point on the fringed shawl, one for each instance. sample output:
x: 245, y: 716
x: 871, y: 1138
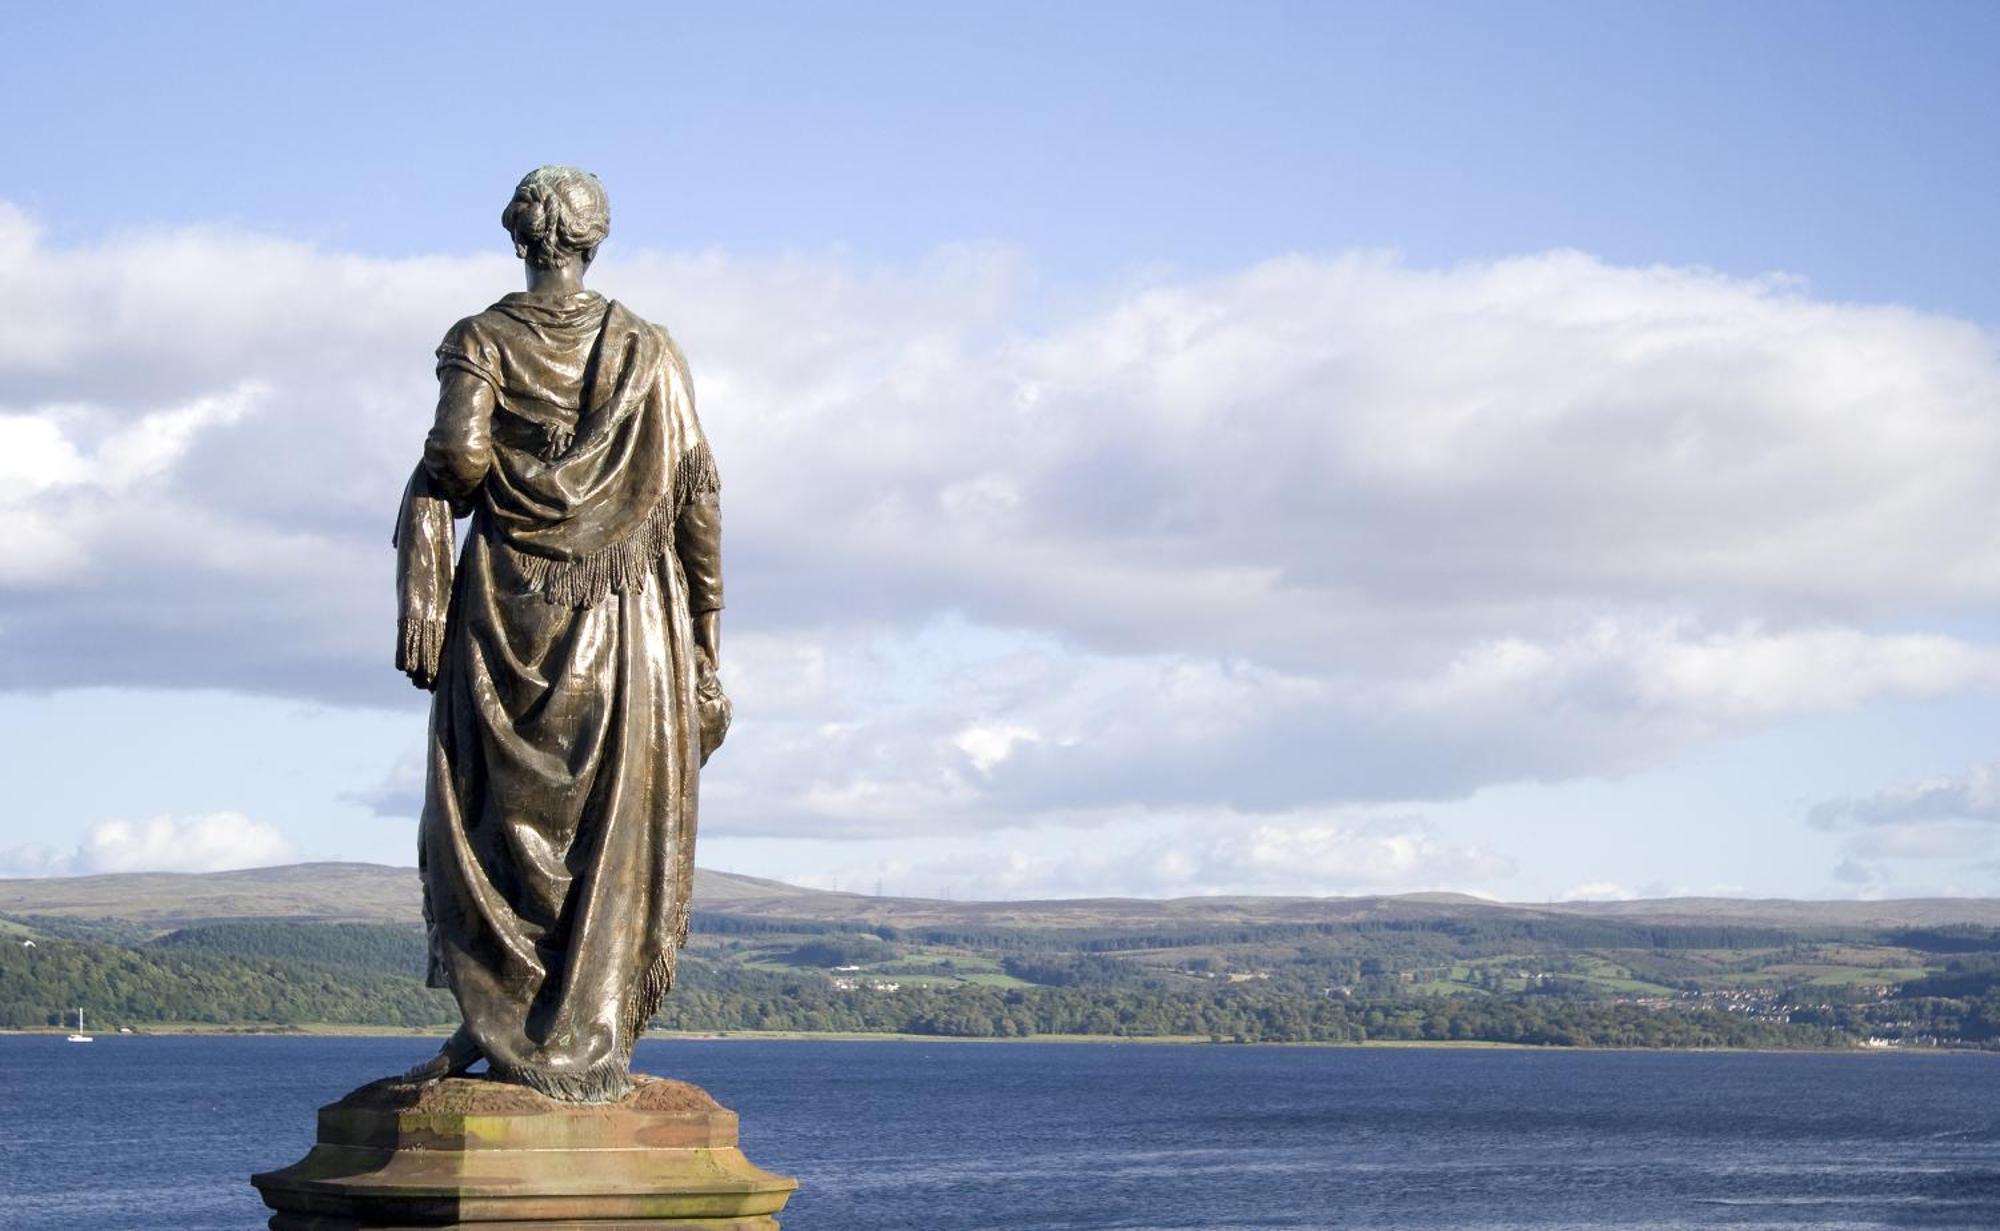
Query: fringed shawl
x: 424, y: 542
x: 595, y: 450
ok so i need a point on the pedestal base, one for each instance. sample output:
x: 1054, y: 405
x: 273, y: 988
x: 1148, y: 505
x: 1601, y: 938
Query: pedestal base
x: 467, y: 1152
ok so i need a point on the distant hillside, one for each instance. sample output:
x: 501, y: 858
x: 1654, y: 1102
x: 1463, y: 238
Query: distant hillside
x: 1785, y: 912
x: 339, y: 943
x: 318, y: 892
x: 372, y: 893
x: 1127, y: 913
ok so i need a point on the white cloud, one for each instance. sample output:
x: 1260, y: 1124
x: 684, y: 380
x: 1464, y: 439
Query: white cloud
x: 35, y: 454
x: 211, y: 842
x: 1946, y: 822
x: 1317, y: 532
x: 62, y: 497
x: 1598, y: 891
x: 988, y: 745
x: 1141, y: 854
x: 1971, y: 796
x: 1339, y: 854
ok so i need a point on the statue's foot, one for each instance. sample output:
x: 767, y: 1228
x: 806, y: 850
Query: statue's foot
x: 458, y: 1054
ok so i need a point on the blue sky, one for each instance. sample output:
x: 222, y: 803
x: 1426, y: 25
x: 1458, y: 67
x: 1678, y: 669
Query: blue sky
x: 1850, y: 144
x: 1424, y: 271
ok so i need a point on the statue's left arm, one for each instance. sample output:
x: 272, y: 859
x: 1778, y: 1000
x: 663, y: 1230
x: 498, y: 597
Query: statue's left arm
x: 698, y: 548
x: 698, y: 540
x: 698, y: 521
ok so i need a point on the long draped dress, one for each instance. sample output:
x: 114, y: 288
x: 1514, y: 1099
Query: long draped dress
x: 566, y: 734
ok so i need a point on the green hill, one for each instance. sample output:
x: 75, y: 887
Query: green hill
x: 372, y: 893
x: 150, y: 986
x: 340, y: 943
x: 320, y: 892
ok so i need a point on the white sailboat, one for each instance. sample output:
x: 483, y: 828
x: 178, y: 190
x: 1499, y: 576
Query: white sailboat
x: 79, y: 1036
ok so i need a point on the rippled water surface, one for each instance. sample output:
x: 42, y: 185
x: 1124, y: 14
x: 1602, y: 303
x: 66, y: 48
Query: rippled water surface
x: 152, y: 1133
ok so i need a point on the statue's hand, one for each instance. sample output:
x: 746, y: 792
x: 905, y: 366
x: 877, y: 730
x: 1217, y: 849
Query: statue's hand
x: 712, y: 708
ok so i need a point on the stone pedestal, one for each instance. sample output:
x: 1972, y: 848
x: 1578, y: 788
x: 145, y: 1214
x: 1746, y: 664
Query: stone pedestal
x: 466, y: 1152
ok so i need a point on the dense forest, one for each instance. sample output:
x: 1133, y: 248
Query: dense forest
x: 170, y: 982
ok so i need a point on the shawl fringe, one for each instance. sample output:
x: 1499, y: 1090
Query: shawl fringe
x: 587, y: 580
x: 652, y: 990
x: 695, y: 476
x: 659, y: 979
x: 425, y: 540
x: 420, y: 645
x: 607, y: 1081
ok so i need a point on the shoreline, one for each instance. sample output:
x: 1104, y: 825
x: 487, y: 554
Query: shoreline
x: 328, y: 1030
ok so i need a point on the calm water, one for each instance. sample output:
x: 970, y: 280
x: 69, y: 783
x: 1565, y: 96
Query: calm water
x: 160, y: 1133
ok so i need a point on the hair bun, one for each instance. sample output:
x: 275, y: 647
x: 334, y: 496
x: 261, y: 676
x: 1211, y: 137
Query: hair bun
x: 556, y: 212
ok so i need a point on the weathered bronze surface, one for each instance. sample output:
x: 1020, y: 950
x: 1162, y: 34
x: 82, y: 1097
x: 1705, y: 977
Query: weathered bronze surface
x: 572, y: 650
x: 572, y: 653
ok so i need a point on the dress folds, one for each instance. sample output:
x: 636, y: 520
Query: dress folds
x: 566, y: 734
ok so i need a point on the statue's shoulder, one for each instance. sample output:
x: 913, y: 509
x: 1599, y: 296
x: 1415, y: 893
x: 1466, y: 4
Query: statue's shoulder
x: 674, y: 351
x: 472, y: 344
x: 475, y: 332
x: 625, y: 318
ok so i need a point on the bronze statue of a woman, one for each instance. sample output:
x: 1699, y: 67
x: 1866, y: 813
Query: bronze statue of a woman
x: 572, y: 654
x: 572, y: 651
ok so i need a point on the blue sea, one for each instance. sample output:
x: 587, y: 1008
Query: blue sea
x: 152, y: 1133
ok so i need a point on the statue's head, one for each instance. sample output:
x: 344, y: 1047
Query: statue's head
x: 557, y: 214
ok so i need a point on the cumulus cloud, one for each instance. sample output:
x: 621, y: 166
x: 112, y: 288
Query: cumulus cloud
x: 1971, y: 796
x: 1316, y: 532
x: 1024, y: 725
x: 1945, y: 821
x: 1330, y: 854
x: 211, y: 842
x: 1598, y: 891
x: 1208, y: 852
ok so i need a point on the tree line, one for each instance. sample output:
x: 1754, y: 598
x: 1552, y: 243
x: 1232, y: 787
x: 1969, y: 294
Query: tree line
x: 291, y: 972
x: 181, y: 982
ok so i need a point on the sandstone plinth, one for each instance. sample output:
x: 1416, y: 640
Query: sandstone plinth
x: 472, y: 1153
